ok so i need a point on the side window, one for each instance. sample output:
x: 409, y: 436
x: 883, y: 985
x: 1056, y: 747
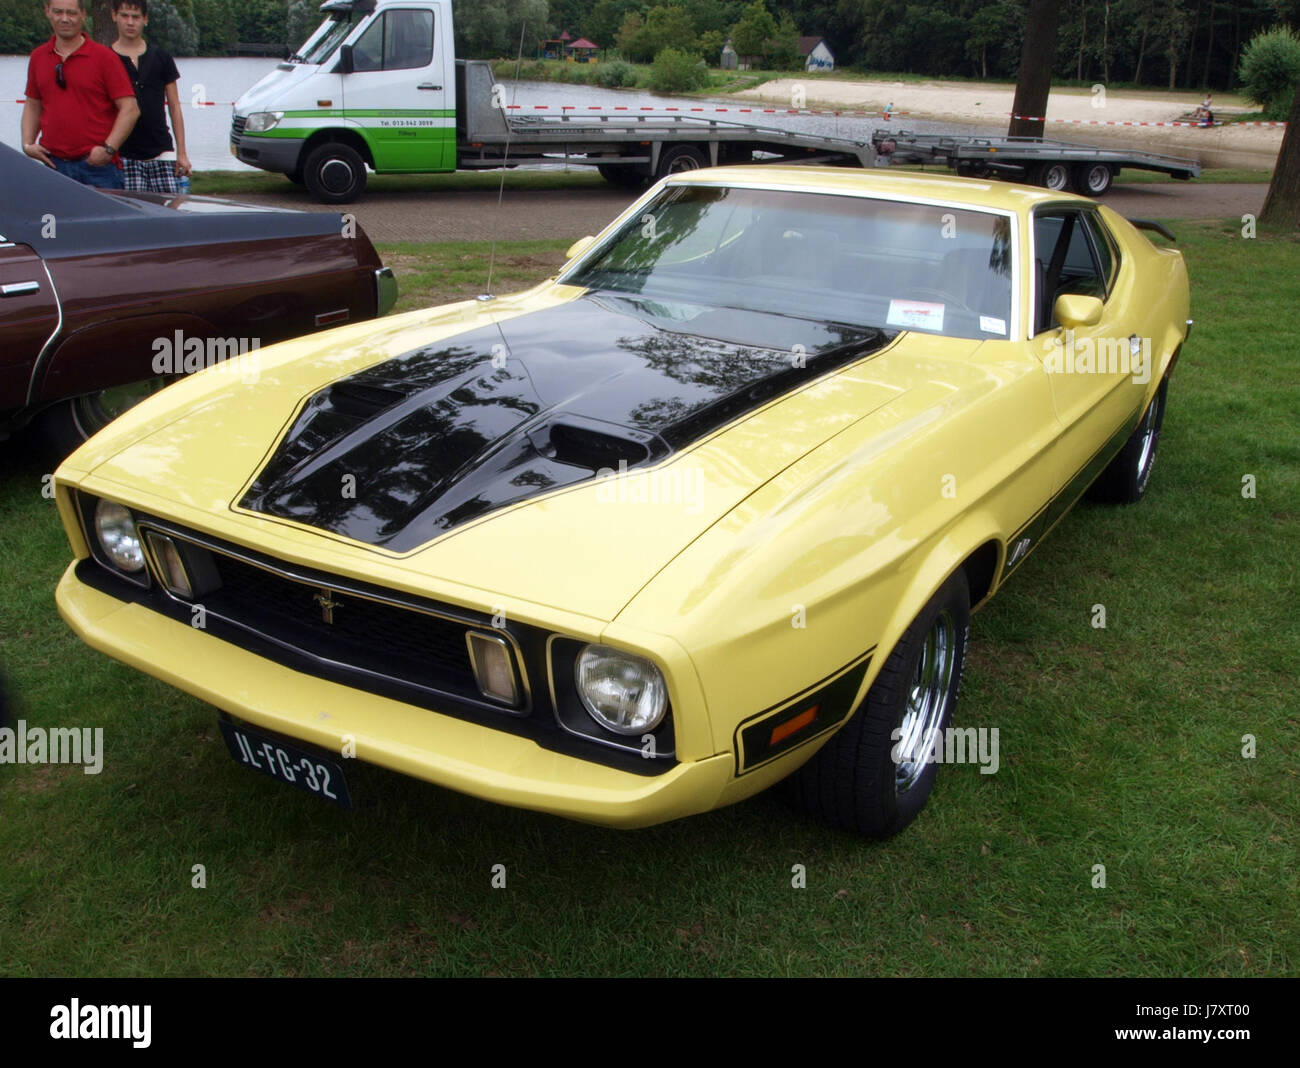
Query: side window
x: 1105, y: 248
x: 1064, y: 262
x: 368, y: 52
x: 398, y: 40
x: 408, y: 41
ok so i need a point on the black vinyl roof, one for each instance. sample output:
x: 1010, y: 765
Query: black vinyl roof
x: 59, y: 217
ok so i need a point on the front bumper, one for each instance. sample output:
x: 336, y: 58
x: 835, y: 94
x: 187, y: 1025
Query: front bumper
x: 280, y: 154
x: 451, y: 752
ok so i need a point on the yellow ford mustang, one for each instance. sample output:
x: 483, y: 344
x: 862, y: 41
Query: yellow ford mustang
x: 709, y: 509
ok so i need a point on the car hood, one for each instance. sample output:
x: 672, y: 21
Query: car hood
x: 602, y: 385
x: 563, y: 450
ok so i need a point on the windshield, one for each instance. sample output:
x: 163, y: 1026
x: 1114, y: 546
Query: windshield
x: 322, y: 45
x: 845, y: 259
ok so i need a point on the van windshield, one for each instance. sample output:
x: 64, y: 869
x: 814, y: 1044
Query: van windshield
x: 339, y: 27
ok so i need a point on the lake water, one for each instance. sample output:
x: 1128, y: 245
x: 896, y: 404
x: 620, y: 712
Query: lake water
x: 221, y: 81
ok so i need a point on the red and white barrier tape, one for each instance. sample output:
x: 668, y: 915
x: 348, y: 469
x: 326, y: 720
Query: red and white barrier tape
x: 1124, y: 122
x: 708, y: 110
x: 837, y: 113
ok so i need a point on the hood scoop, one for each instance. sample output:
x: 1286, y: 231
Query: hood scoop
x: 438, y: 436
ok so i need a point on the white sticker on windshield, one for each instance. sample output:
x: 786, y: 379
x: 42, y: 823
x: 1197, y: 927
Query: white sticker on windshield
x: 990, y: 325
x: 917, y: 313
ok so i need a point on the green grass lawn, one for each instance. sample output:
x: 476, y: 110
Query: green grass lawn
x: 1119, y: 746
x: 234, y: 183
x: 228, y: 183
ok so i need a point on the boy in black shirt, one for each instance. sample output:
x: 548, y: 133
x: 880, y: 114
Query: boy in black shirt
x: 149, y: 159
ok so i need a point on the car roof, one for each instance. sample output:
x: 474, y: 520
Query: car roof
x: 975, y: 192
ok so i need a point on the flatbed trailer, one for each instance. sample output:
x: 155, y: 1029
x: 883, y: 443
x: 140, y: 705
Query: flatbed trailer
x: 1037, y: 160
x: 628, y: 150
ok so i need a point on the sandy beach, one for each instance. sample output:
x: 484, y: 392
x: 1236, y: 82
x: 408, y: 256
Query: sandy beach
x: 1088, y: 115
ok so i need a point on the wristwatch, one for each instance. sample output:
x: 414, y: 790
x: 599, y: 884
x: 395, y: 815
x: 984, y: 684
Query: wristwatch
x: 111, y: 150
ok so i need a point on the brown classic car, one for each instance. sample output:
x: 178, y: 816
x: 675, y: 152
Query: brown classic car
x: 103, y: 296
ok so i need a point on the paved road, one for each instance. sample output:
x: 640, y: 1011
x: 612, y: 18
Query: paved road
x: 464, y: 215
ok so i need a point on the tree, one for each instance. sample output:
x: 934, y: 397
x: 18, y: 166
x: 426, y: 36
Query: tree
x: 1282, y: 205
x: 302, y: 19
x: 488, y: 28
x: 23, y: 26
x: 750, y: 36
x: 1034, y: 82
x: 101, y: 17
x: 172, y: 29
x: 1270, y: 70
x: 668, y: 27
x: 783, y: 48
x: 631, y: 39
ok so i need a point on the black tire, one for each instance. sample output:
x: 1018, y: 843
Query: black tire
x: 854, y: 782
x: 1092, y: 179
x: 1050, y: 175
x: 676, y: 158
x: 623, y: 175
x: 1125, y: 478
x: 63, y: 427
x: 334, y: 173
x: 295, y: 177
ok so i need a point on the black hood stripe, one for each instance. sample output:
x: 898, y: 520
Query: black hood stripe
x: 410, y: 448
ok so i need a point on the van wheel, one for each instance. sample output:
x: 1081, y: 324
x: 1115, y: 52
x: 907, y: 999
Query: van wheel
x: 676, y: 158
x: 874, y: 775
x: 335, y: 173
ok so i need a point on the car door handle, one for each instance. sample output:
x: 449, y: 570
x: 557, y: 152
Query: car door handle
x: 428, y: 85
x: 18, y: 289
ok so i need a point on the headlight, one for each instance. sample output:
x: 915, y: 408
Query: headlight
x: 624, y: 693
x: 261, y: 121
x: 118, y: 537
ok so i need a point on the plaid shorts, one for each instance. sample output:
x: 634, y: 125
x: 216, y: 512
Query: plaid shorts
x: 150, y: 175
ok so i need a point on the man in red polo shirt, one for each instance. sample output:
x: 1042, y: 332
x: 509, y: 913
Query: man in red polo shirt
x: 79, y: 100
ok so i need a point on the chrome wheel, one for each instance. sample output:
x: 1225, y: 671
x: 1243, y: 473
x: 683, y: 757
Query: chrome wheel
x: 1054, y: 176
x: 94, y: 411
x: 875, y: 774
x: 678, y: 158
x: 1094, y: 178
x: 1125, y: 478
x: 1148, y: 434
x: 927, y: 700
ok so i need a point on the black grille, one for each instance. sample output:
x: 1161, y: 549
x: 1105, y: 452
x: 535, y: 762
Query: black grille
x: 399, y: 643
x: 237, y: 124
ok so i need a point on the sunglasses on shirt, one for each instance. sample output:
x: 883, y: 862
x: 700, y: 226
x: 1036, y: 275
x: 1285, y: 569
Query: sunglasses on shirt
x: 59, y: 79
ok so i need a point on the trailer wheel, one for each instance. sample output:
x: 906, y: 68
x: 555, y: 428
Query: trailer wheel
x: 335, y: 173
x: 1093, y: 179
x: 1054, y: 176
x: 625, y: 176
x: 676, y: 158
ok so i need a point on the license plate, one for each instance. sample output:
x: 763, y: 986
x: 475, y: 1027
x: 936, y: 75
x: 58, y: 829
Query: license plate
x: 287, y: 763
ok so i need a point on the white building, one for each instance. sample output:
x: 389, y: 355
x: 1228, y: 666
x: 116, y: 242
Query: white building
x: 817, y: 55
